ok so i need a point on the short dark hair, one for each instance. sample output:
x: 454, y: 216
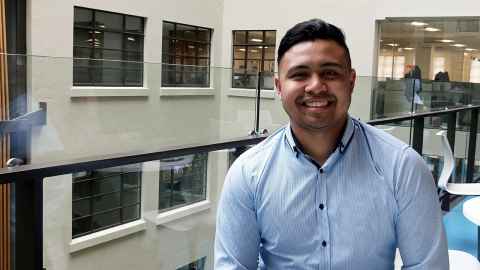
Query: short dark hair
x: 312, y: 30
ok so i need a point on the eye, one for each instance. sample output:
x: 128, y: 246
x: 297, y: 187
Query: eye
x: 330, y: 74
x: 299, y: 75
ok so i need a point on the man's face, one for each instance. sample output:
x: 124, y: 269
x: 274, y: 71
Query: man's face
x: 315, y: 84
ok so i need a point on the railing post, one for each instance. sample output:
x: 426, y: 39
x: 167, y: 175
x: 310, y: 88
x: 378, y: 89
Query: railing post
x: 472, y: 144
x: 451, y: 129
x: 256, y: 130
x: 27, y: 223
x: 417, y: 139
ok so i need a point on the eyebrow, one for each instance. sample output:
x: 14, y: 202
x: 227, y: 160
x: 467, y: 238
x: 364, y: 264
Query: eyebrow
x: 324, y: 65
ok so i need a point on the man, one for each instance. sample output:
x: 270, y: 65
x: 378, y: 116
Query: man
x: 327, y: 191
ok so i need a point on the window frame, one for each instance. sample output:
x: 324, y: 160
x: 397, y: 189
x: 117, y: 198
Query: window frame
x: 204, y: 174
x: 124, y: 52
x: 90, y: 178
x: 262, y: 60
x: 167, y: 56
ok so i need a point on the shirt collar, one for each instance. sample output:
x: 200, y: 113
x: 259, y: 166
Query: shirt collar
x: 342, y: 144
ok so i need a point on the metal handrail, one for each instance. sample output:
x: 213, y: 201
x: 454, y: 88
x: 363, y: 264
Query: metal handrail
x: 25, y: 122
x: 36, y: 171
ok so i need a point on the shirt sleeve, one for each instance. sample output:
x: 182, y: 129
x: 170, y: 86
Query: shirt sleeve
x: 419, y: 227
x: 237, y: 237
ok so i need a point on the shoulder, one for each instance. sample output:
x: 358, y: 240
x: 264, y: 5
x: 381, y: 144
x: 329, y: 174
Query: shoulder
x: 382, y: 141
x: 251, y: 163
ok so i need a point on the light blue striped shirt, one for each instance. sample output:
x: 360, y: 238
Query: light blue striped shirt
x: 279, y: 210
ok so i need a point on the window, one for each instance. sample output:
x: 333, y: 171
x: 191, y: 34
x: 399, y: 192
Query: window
x: 475, y: 71
x: 183, y: 181
x: 385, y: 64
x: 196, y: 265
x: 253, y: 52
x: 185, y: 55
x: 105, y: 198
x: 116, y: 38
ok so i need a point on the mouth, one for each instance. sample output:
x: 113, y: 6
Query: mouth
x: 316, y: 103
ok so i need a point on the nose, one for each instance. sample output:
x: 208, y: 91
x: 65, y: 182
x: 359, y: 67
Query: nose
x: 315, y: 85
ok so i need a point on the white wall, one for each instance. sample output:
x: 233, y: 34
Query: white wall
x: 85, y: 126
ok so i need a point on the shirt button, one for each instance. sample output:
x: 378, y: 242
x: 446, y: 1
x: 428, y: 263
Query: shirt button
x: 321, y: 206
x: 324, y: 243
x: 321, y: 170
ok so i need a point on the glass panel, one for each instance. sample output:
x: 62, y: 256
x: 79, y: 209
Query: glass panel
x: 239, y: 52
x: 168, y: 29
x: 106, y: 185
x: 81, y: 226
x: 83, y: 38
x: 81, y: 208
x: 186, y: 31
x: 131, y: 213
x: 82, y: 76
x: 130, y: 196
x: 255, y: 37
x: 106, y: 219
x: 253, y: 66
x: 269, y: 66
x: 254, y: 52
x: 82, y: 52
x: 81, y: 189
x: 239, y: 37
x: 108, y: 77
x: 106, y: 202
x: 133, y: 43
x: 270, y: 37
x: 83, y: 17
x: 107, y: 54
x: 111, y: 40
x: 203, y: 50
x: 109, y: 21
x: 203, y: 34
x: 191, y: 49
x: 134, y: 24
x: 269, y: 53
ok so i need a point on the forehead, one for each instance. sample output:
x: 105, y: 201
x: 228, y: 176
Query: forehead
x: 312, y: 53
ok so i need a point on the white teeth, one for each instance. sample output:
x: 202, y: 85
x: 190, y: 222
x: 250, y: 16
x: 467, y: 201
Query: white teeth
x: 316, y: 103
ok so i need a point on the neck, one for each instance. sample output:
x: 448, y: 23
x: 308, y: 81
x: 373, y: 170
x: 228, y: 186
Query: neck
x: 320, y: 143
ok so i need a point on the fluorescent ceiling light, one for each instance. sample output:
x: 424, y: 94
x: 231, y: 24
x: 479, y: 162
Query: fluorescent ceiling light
x: 446, y: 40
x: 256, y: 40
x: 408, y: 48
x: 393, y: 44
x: 470, y: 49
x: 459, y: 45
x: 131, y: 38
x: 431, y: 29
x: 254, y: 50
x: 242, y: 50
x: 418, y: 23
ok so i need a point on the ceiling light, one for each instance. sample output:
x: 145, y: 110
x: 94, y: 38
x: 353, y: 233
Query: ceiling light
x: 393, y: 44
x: 254, y: 51
x: 418, y: 23
x: 408, y: 48
x: 256, y: 40
x: 131, y: 38
x: 431, y: 29
x: 459, y: 45
x: 242, y: 50
x: 446, y: 40
x: 470, y: 49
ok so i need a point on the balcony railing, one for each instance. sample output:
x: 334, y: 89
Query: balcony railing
x: 102, y: 156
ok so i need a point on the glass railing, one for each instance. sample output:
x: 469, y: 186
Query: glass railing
x: 123, y: 157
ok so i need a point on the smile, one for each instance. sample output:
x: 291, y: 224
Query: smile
x: 316, y: 103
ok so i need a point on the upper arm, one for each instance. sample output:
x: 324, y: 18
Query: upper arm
x: 419, y: 226
x: 237, y: 236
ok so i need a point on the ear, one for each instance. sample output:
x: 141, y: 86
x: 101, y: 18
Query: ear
x: 352, y: 79
x: 278, y: 86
